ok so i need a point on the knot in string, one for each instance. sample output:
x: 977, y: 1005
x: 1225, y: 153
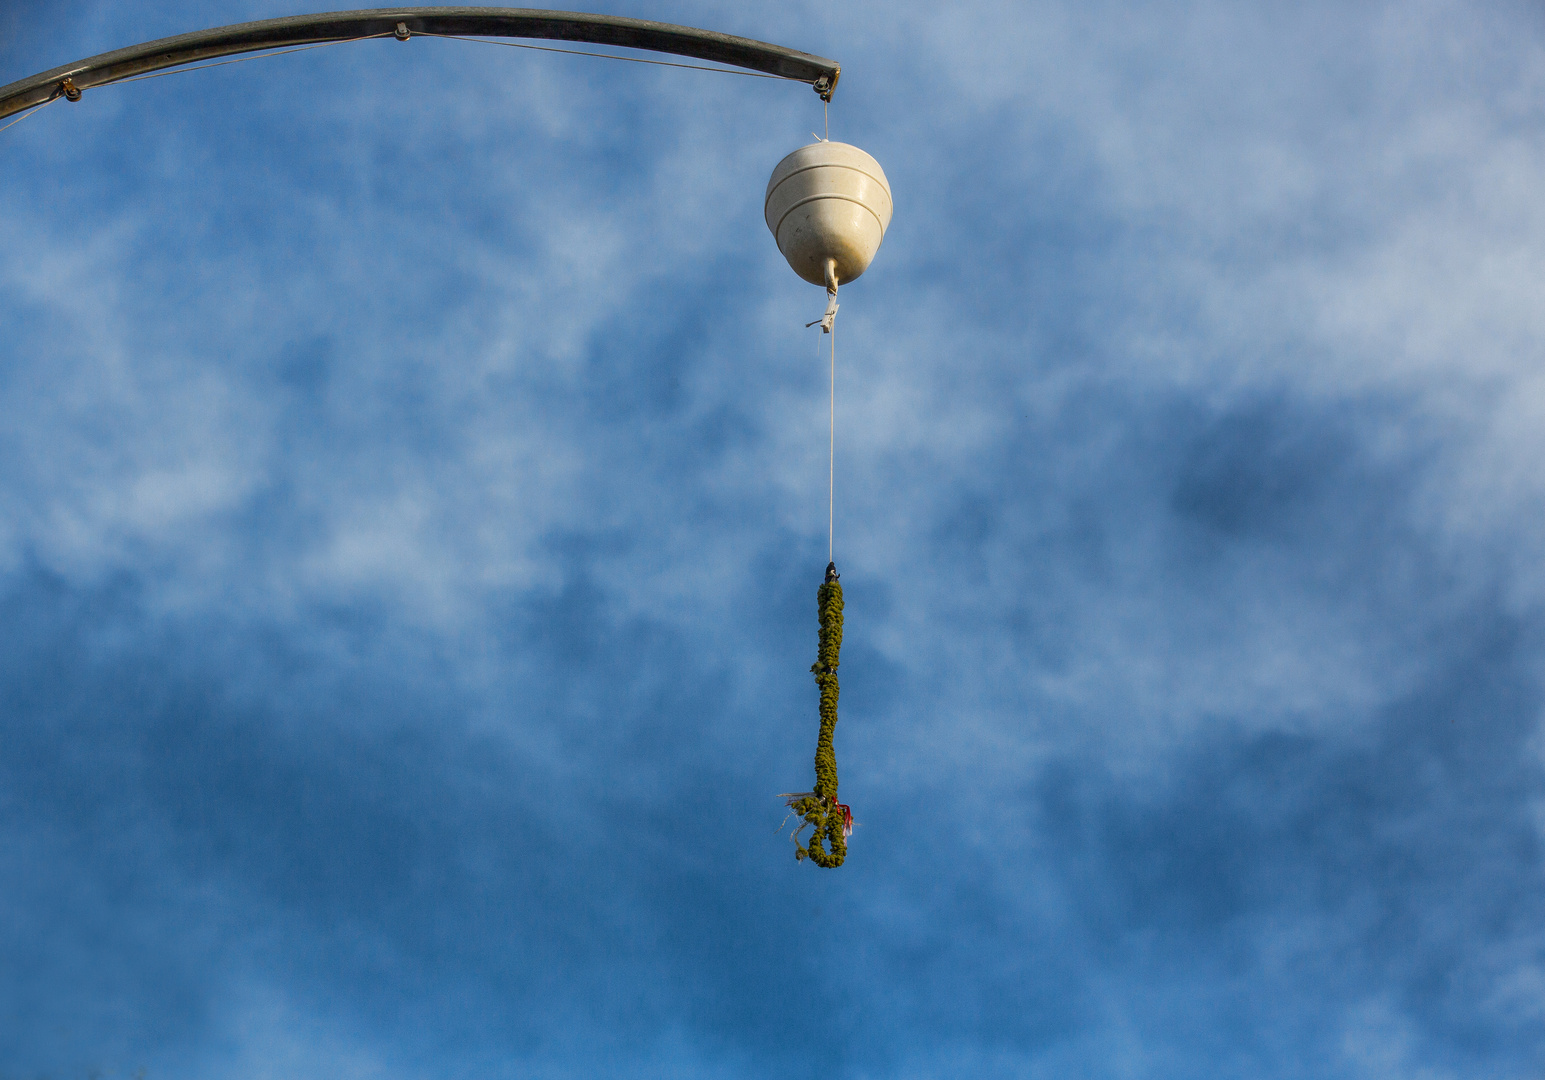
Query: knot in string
x: 830, y: 317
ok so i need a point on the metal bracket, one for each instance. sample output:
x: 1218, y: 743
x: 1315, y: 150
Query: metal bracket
x: 70, y: 90
x: 402, y: 32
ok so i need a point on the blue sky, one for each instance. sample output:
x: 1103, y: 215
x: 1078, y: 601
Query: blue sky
x: 412, y: 500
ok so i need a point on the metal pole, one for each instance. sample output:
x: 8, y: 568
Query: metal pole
x: 463, y: 21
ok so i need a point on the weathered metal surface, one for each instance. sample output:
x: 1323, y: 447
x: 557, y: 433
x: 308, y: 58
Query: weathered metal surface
x: 464, y: 21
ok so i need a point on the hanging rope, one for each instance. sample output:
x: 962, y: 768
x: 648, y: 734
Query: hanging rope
x: 831, y: 455
x: 832, y: 820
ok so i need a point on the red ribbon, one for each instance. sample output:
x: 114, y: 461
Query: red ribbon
x: 847, y: 817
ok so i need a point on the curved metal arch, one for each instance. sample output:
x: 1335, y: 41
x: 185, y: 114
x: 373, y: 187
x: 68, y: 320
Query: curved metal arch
x: 462, y: 21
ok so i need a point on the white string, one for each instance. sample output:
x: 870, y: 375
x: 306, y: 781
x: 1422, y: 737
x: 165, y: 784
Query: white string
x: 35, y: 109
x: 831, y: 459
x: 608, y: 56
x: 244, y: 59
x: 830, y: 326
x: 196, y: 67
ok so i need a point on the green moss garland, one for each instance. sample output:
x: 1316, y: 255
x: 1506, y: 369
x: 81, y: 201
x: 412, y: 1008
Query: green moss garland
x: 832, y: 820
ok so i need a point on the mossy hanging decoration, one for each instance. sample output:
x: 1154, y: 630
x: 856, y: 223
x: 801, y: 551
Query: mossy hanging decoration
x: 832, y: 820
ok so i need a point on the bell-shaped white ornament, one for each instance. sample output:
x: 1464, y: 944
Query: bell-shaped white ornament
x: 828, y: 206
